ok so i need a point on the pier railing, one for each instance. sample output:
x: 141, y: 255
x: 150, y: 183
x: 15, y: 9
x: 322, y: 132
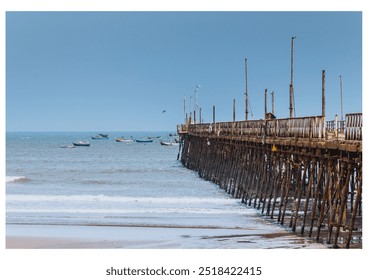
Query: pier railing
x: 314, y: 127
x: 353, y: 129
x: 305, y: 127
x: 335, y: 126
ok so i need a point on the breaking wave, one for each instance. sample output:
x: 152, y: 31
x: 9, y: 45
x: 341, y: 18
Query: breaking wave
x: 16, y: 179
x: 126, y: 199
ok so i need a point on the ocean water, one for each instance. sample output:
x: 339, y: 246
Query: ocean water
x: 127, y: 185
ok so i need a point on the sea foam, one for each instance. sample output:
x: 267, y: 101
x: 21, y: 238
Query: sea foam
x: 16, y: 179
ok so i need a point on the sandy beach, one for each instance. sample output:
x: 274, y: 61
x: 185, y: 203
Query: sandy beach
x: 110, y: 237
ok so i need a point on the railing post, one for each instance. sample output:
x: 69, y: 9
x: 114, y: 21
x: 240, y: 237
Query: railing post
x: 336, y: 127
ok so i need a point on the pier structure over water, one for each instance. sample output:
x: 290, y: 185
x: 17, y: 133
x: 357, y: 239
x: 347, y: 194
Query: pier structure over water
x: 305, y: 173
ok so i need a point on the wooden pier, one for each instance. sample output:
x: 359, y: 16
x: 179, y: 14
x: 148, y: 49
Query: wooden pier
x: 305, y: 173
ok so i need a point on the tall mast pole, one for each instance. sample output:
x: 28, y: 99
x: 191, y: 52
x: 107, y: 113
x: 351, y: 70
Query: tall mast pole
x: 291, y: 88
x: 246, y: 89
x: 342, y: 112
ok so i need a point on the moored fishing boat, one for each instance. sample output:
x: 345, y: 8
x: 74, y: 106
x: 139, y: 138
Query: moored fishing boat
x: 104, y: 135
x: 125, y: 140
x: 100, y: 137
x: 144, y: 140
x: 154, y: 137
x: 66, y: 146
x: 81, y: 144
x: 166, y: 143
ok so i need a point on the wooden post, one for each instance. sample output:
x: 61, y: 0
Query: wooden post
x: 342, y: 111
x: 234, y: 110
x: 291, y: 100
x: 185, y: 110
x: 195, y: 105
x: 317, y: 194
x: 265, y: 94
x: 246, y: 89
x: 342, y: 205
x: 336, y: 127
x: 291, y: 88
x: 190, y: 110
x: 292, y: 61
x: 273, y: 102
x: 323, y: 94
x: 214, y: 114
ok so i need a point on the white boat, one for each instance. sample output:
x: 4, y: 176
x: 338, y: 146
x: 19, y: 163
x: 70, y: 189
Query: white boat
x: 124, y: 140
x: 67, y: 146
x: 166, y: 143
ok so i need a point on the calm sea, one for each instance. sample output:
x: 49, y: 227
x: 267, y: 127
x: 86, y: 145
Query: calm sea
x: 125, y: 184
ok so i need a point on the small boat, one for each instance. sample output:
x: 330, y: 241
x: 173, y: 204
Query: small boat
x: 166, y: 143
x: 67, y: 146
x: 122, y: 139
x: 173, y: 134
x: 99, y: 137
x: 104, y: 135
x: 81, y: 144
x: 153, y: 137
x: 144, y: 140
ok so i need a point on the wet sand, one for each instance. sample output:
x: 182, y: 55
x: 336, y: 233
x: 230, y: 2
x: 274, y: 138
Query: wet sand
x: 114, y: 237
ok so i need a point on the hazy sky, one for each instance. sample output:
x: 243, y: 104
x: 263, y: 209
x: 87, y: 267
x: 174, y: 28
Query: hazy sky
x: 118, y: 71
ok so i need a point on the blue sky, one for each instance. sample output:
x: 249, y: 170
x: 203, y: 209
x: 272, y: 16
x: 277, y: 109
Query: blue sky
x: 117, y: 71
